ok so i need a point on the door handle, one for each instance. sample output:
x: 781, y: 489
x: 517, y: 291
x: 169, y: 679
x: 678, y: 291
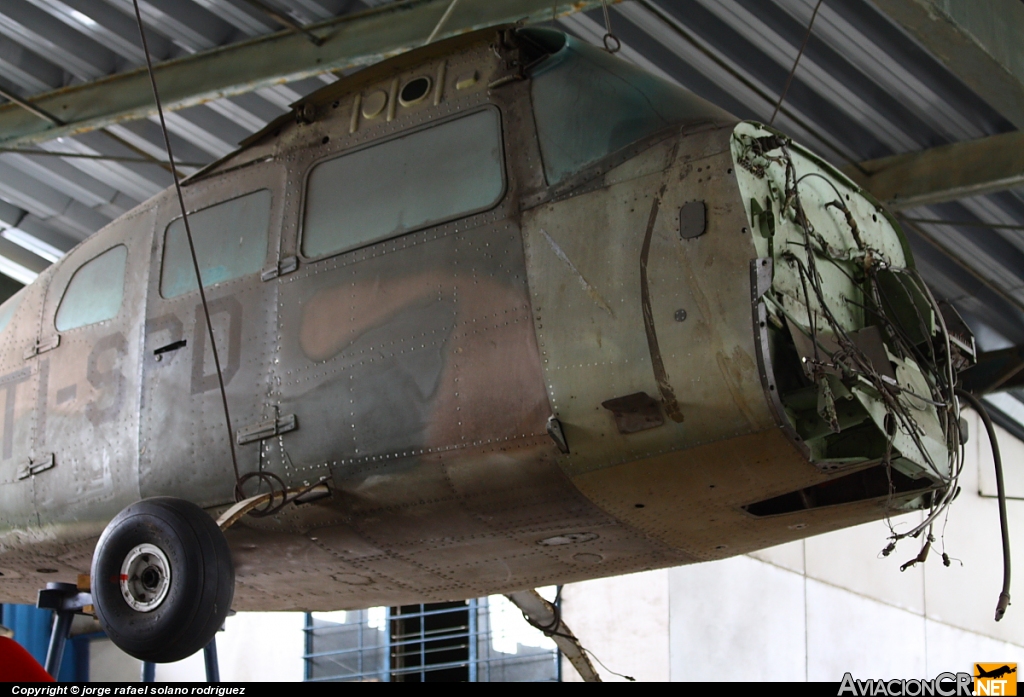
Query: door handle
x: 173, y: 346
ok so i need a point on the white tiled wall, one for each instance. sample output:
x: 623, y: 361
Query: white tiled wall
x: 755, y: 609
x: 629, y: 631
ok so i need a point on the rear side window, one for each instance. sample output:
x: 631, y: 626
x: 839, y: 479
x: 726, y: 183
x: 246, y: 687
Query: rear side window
x: 230, y: 238
x: 95, y: 291
x: 420, y: 179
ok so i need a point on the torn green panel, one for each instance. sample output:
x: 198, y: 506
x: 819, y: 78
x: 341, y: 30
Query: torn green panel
x: 856, y: 322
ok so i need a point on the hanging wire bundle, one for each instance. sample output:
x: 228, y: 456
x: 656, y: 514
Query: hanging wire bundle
x: 921, y: 338
x: 935, y: 358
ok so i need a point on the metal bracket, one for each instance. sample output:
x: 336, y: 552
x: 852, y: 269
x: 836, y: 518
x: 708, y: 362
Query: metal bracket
x: 35, y: 467
x: 635, y: 412
x: 761, y: 273
x: 547, y: 618
x: 557, y: 435
x: 305, y: 494
x: 267, y: 429
x: 285, y: 265
x: 761, y: 283
x: 42, y: 346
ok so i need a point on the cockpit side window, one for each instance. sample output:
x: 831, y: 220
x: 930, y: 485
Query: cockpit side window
x: 95, y: 292
x: 426, y: 177
x: 588, y: 104
x: 230, y: 239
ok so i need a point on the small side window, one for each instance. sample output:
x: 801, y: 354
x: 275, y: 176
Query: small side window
x: 95, y: 291
x: 424, y: 178
x: 230, y: 238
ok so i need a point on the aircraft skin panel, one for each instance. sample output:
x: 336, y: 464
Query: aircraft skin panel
x: 17, y: 496
x: 682, y: 483
x: 475, y: 535
x: 588, y: 298
x: 79, y: 466
x: 463, y: 502
x: 436, y: 336
x: 183, y: 429
x: 87, y: 401
x: 593, y: 330
x: 695, y: 501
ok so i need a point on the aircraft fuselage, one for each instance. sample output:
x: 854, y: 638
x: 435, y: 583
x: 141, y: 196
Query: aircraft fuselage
x: 505, y: 382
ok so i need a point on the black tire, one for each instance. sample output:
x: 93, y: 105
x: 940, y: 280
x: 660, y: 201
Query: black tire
x: 173, y: 617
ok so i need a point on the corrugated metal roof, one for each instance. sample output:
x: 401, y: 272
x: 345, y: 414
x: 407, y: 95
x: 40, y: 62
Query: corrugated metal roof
x: 864, y: 89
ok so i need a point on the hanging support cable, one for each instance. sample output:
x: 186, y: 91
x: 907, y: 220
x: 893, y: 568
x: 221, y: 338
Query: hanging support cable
x: 611, y: 42
x: 160, y: 163
x: 800, y: 53
x: 686, y: 35
x: 441, y: 22
x: 191, y: 248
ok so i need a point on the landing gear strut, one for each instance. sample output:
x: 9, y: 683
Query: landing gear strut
x: 162, y: 579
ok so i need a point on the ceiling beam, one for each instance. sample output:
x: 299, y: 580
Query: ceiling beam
x: 979, y: 41
x: 944, y: 173
x: 28, y: 261
x: 996, y: 371
x: 348, y: 41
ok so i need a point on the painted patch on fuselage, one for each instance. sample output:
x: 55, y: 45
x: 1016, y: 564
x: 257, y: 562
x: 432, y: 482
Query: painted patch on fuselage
x: 333, y: 318
x: 382, y: 402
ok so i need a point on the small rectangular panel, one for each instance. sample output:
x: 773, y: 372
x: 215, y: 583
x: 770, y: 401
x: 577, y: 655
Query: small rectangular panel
x: 692, y: 220
x: 35, y: 467
x: 635, y: 412
x: 267, y: 429
x: 42, y: 346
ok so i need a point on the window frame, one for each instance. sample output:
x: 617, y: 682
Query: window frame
x: 628, y: 149
x: 71, y: 279
x: 432, y: 123
x: 167, y: 227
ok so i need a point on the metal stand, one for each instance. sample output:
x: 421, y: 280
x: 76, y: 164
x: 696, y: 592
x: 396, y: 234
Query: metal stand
x: 212, y: 664
x: 209, y: 658
x: 66, y: 600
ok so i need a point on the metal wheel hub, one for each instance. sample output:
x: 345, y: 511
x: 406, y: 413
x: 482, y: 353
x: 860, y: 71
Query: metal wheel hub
x: 145, y: 577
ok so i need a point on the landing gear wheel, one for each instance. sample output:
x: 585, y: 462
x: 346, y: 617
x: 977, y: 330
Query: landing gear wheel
x: 162, y: 579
